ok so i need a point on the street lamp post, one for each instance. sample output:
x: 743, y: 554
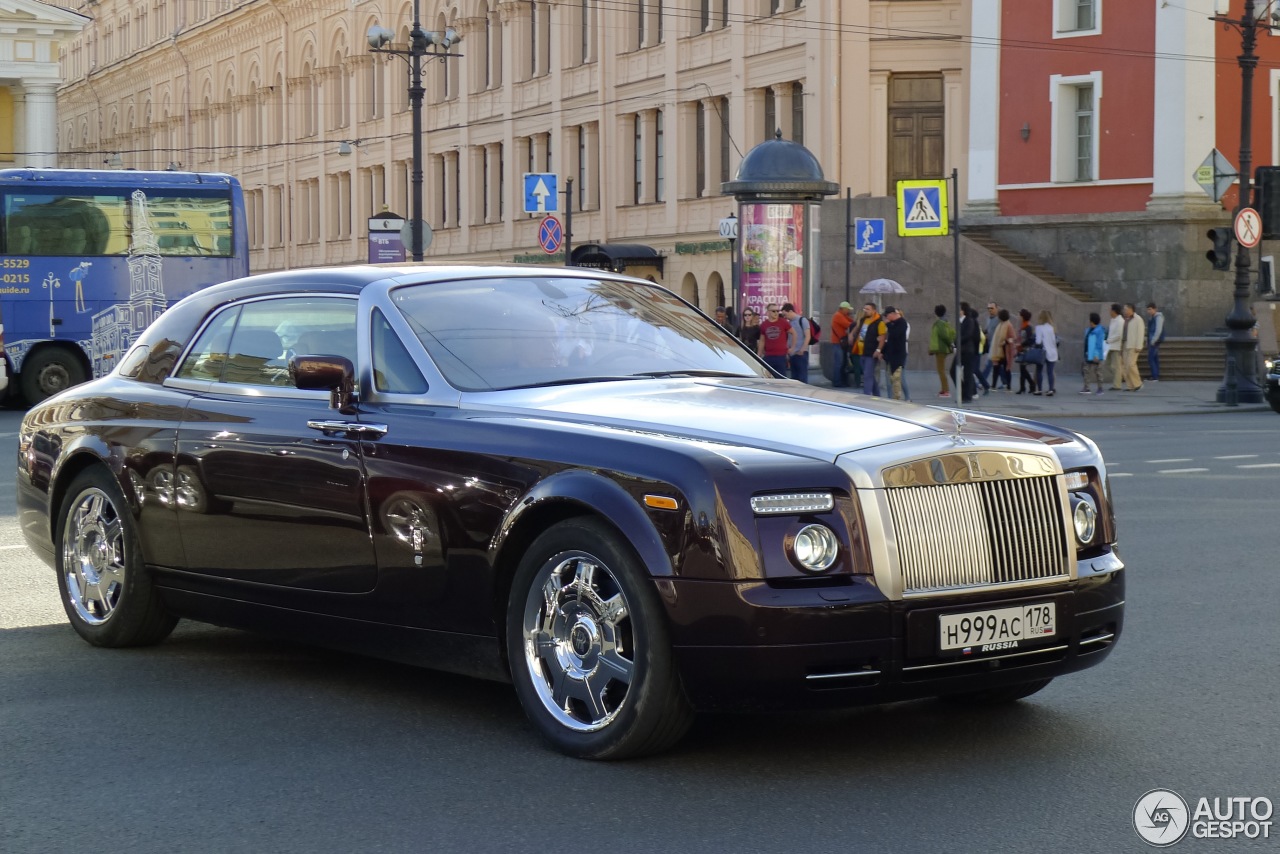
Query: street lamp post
x: 1241, y: 379
x: 419, y: 42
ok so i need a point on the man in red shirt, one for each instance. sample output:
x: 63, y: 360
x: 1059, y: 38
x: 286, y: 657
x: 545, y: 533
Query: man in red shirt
x: 841, y: 321
x: 777, y: 339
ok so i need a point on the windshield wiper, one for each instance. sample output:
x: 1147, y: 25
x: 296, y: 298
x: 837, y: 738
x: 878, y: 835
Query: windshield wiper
x: 692, y: 372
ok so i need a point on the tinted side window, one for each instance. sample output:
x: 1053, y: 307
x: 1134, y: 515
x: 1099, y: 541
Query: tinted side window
x: 393, y: 368
x: 252, y: 344
x: 209, y: 355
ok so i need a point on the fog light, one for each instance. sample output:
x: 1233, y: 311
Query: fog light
x: 1085, y: 518
x: 815, y: 548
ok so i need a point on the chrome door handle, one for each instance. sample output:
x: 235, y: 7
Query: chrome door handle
x: 356, y: 428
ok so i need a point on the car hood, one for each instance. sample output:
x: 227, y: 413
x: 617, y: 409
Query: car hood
x: 777, y: 415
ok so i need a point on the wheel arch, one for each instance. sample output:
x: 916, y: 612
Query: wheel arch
x: 570, y: 495
x: 71, y: 465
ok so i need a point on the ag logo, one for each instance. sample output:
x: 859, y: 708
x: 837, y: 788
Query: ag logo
x: 1161, y: 818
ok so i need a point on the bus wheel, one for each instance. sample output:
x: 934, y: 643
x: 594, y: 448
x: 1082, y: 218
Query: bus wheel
x: 47, y: 372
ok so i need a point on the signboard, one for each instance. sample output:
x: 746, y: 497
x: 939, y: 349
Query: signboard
x: 729, y: 228
x: 406, y: 235
x: 385, y: 244
x: 1215, y: 175
x: 772, y: 255
x: 1248, y: 228
x: 922, y: 208
x: 540, y: 192
x: 550, y: 234
x: 868, y: 236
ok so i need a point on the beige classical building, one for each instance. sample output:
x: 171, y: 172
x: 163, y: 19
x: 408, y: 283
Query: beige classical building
x: 31, y: 34
x: 646, y: 105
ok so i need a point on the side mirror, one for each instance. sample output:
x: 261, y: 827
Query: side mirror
x: 334, y: 374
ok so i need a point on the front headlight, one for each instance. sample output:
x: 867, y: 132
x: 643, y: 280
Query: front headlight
x: 1269, y: 364
x: 1084, y: 516
x: 815, y: 548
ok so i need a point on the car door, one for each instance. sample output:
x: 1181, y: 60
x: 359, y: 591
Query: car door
x: 273, y: 499
x: 437, y: 495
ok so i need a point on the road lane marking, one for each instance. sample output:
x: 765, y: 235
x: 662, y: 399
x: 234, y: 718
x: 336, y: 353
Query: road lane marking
x: 1238, y: 457
x: 1179, y: 471
x: 1176, y: 460
x: 8, y: 548
x: 1120, y: 474
x: 1260, y: 466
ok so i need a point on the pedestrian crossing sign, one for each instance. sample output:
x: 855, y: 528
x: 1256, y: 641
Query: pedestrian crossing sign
x: 922, y: 208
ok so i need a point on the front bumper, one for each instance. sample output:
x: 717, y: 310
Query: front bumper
x: 748, y: 646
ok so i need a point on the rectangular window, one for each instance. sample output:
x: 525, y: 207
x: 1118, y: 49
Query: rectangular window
x: 1077, y: 18
x: 700, y: 149
x: 1076, y: 104
x: 725, y: 140
x: 658, y: 176
x: 101, y: 223
x: 770, y: 112
x: 582, y: 167
x: 1084, y: 133
x: 638, y: 148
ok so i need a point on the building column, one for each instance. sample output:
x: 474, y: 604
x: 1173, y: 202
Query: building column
x: 782, y: 104
x: 982, y: 197
x: 1184, y: 116
x: 41, y: 120
x: 954, y: 128
x: 878, y: 141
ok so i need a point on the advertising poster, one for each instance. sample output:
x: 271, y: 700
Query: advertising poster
x: 772, y: 238
x: 386, y: 247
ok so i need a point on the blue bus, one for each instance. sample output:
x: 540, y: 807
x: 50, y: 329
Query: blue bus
x: 88, y: 258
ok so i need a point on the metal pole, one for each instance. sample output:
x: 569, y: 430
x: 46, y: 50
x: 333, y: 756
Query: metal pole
x: 1241, y: 346
x: 417, y: 46
x: 568, y: 221
x: 848, y: 241
x: 955, y: 262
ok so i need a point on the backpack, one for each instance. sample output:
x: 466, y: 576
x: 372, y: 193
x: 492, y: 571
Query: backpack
x: 814, y: 331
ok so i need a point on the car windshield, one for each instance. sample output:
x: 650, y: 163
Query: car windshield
x: 491, y: 334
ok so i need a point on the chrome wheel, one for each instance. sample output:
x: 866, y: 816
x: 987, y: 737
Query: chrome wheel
x: 578, y: 641
x: 93, y: 556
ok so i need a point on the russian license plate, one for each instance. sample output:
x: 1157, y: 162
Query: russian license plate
x: 997, y: 629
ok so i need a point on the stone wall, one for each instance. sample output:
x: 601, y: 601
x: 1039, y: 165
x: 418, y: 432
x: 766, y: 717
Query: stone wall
x: 1116, y: 257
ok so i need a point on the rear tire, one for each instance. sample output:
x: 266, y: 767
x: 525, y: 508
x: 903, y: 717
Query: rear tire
x: 998, y: 696
x: 49, y: 371
x: 106, y: 590
x: 589, y: 648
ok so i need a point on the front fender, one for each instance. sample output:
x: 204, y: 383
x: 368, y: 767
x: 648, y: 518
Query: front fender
x: 603, y: 496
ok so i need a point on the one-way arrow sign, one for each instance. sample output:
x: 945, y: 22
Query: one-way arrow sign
x: 540, y: 195
x: 1216, y: 175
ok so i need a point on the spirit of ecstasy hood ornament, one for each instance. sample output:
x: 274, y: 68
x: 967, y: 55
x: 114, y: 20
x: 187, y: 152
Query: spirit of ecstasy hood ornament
x: 959, y: 419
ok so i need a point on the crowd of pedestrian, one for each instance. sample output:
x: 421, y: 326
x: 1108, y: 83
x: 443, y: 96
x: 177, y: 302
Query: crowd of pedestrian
x: 870, y: 348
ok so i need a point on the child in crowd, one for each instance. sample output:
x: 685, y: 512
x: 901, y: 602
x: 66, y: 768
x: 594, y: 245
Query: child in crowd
x: 1095, y: 338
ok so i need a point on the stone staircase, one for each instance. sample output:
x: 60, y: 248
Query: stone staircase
x: 984, y: 238
x: 1201, y: 358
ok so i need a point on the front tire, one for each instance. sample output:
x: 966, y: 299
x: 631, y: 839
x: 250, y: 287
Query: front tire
x: 106, y: 590
x: 589, y: 649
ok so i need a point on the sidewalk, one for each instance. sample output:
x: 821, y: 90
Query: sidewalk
x: 1170, y: 397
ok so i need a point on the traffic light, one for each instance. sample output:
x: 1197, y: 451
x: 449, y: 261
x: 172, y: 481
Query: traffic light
x: 1220, y: 254
x: 1267, y: 199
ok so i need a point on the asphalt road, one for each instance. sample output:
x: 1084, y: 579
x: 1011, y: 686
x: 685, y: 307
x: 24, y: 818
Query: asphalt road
x: 223, y: 741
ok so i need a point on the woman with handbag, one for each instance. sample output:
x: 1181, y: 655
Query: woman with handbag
x: 1026, y: 341
x: 1047, y: 341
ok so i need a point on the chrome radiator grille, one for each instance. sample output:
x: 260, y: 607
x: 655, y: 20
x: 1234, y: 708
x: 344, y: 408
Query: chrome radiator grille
x: 978, y: 534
